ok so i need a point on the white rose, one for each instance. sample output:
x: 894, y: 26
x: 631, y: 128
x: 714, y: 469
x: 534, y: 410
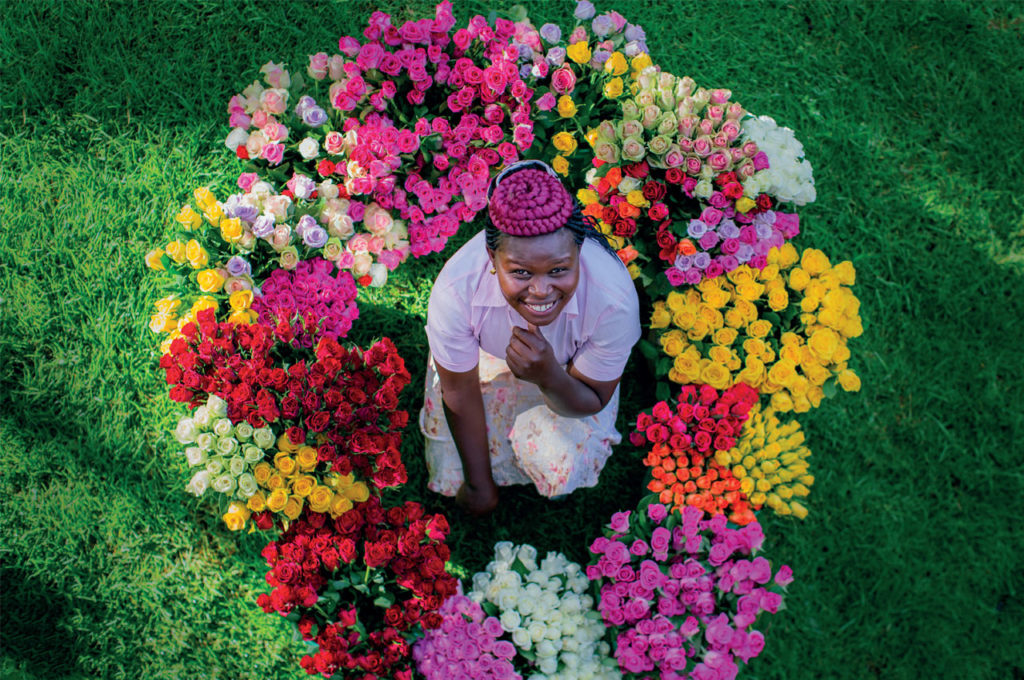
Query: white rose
x: 218, y: 407
x: 510, y: 620
x: 521, y: 639
x: 222, y: 427
x: 195, y: 456
x: 236, y: 138
x: 309, y: 148
x: 538, y: 631
x: 215, y: 465
x: 199, y: 483
x: 503, y: 552
x: 247, y: 485
x: 545, y: 649
x: 186, y: 431
x: 224, y: 484
x: 243, y: 431
x: 548, y: 665
x: 226, y: 446
x: 264, y: 437
x: 201, y: 416
x: 481, y: 581
x: 629, y: 184
x: 361, y: 263
x: 378, y: 274
x: 252, y: 454
x: 328, y: 189
x: 236, y: 465
x: 703, y: 189
x: 205, y: 441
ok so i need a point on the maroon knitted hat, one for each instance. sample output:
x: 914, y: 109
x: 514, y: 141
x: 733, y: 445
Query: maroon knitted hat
x: 529, y: 202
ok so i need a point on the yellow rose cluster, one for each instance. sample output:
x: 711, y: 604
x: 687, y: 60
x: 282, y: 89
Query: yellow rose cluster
x: 770, y: 460
x: 782, y: 329
x: 288, y: 485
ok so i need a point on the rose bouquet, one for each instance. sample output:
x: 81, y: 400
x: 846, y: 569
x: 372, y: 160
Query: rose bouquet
x: 782, y: 329
x: 686, y: 439
x: 678, y: 183
x: 408, y: 121
x: 578, y: 78
x: 466, y: 646
x: 226, y: 455
x: 680, y: 593
x: 344, y: 399
x: 546, y: 611
x: 770, y: 460
x: 360, y: 585
x: 789, y: 177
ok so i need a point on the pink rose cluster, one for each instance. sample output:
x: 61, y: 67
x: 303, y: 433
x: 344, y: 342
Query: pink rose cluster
x: 683, y: 592
x: 323, y: 303
x: 430, y: 170
x: 466, y: 646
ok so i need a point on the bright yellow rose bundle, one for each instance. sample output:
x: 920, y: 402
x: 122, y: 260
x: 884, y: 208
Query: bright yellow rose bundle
x: 783, y: 329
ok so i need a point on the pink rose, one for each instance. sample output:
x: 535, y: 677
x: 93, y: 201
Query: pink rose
x: 676, y: 277
x: 317, y: 66
x: 693, y: 165
x: 274, y: 101
x: 563, y: 80
x: 349, y: 46
x: 719, y: 161
x: 273, y: 153
x: 702, y: 146
x: 547, y: 102
x: 333, y: 142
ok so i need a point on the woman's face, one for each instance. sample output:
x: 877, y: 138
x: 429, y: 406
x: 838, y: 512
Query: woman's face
x: 538, y: 274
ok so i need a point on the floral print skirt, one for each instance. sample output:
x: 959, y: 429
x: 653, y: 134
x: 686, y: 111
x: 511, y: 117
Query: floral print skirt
x: 529, y: 443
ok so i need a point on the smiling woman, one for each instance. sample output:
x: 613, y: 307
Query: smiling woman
x: 530, y: 325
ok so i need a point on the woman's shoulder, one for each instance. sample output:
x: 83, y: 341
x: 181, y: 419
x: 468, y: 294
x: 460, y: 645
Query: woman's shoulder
x: 606, y: 279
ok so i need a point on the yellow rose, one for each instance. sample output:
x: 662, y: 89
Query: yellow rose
x: 275, y: 481
x: 339, y: 506
x: 641, y: 61
x: 809, y: 304
x: 564, y: 142
x: 815, y: 372
x: 799, y: 386
x: 213, y: 215
x: 163, y: 323
x: 636, y: 198
x: 231, y: 229
x: 845, y: 272
x: 284, y: 463
x: 257, y: 502
x: 153, y: 259
x: 687, y: 368
x: 720, y: 354
x: 717, y: 298
x: 782, y: 372
x: 778, y: 300
x: 177, y: 251
x: 240, y: 300
x: 616, y: 64
x: 560, y: 165
x: 306, y: 457
x: 675, y: 301
x: 210, y: 281
x: 285, y: 443
x: 759, y: 328
x: 566, y: 106
x: 587, y: 196
x: 613, y: 88
x: 786, y: 256
x: 753, y: 347
x: 750, y: 290
x: 634, y: 271
x: 725, y: 336
x: 188, y: 218
x: 781, y: 402
x: 320, y: 498
x: 167, y: 305
x: 293, y: 507
x: 842, y: 354
x: 814, y: 261
x: 660, y: 317
x: 204, y: 302
x: 357, y: 493
x: 753, y: 373
x: 849, y: 381
x: 769, y: 273
x: 733, y: 318
x: 744, y: 204
x: 262, y: 473
x: 853, y: 328
x: 791, y: 352
x: 824, y: 342
x: 195, y: 254
x: 673, y: 343
x: 204, y: 199
x: 236, y: 516
x: 277, y: 500
x: 591, y: 138
x: 746, y: 308
x: 716, y: 375
x: 712, y: 316
x: 579, y: 52
x: 303, y: 485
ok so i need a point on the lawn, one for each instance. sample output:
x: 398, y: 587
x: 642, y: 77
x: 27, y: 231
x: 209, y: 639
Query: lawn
x: 910, y: 562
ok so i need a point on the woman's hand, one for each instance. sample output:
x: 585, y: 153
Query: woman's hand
x: 477, y: 500
x: 530, y: 357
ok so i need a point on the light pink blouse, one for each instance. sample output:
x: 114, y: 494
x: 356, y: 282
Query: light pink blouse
x: 596, y: 330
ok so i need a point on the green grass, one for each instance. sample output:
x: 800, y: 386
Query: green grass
x: 910, y: 562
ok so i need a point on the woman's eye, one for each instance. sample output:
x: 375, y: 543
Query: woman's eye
x: 521, y: 273
x: 559, y: 270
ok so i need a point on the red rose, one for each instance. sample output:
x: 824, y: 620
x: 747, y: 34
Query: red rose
x: 658, y: 212
x: 242, y: 152
x: 764, y: 202
x: 378, y: 553
x: 732, y: 190
x: 325, y: 167
x: 725, y: 178
x: 624, y: 227
x: 296, y: 435
x: 319, y: 421
x: 674, y: 175
x: 665, y: 240
x: 638, y: 170
x: 654, y: 191
x: 397, y: 420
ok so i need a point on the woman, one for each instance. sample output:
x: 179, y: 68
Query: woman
x: 530, y: 325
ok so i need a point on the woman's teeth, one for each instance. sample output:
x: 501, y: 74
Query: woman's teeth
x: 540, y: 309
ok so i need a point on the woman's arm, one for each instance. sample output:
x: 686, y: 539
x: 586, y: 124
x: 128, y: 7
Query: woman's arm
x: 566, y: 392
x: 464, y: 411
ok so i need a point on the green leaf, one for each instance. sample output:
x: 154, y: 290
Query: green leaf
x: 649, y: 350
x: 384, y: 601
x: 662, y: 391
x: 829, y: 389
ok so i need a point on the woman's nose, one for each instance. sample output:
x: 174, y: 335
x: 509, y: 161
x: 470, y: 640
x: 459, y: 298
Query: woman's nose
x: 540, y: 286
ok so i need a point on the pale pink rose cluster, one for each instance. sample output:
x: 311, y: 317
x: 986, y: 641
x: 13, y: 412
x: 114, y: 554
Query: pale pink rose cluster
x: 684, y: 592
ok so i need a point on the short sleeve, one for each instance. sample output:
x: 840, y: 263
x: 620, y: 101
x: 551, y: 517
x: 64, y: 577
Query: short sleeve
x: 604, y: 354
x: 451, y: 339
